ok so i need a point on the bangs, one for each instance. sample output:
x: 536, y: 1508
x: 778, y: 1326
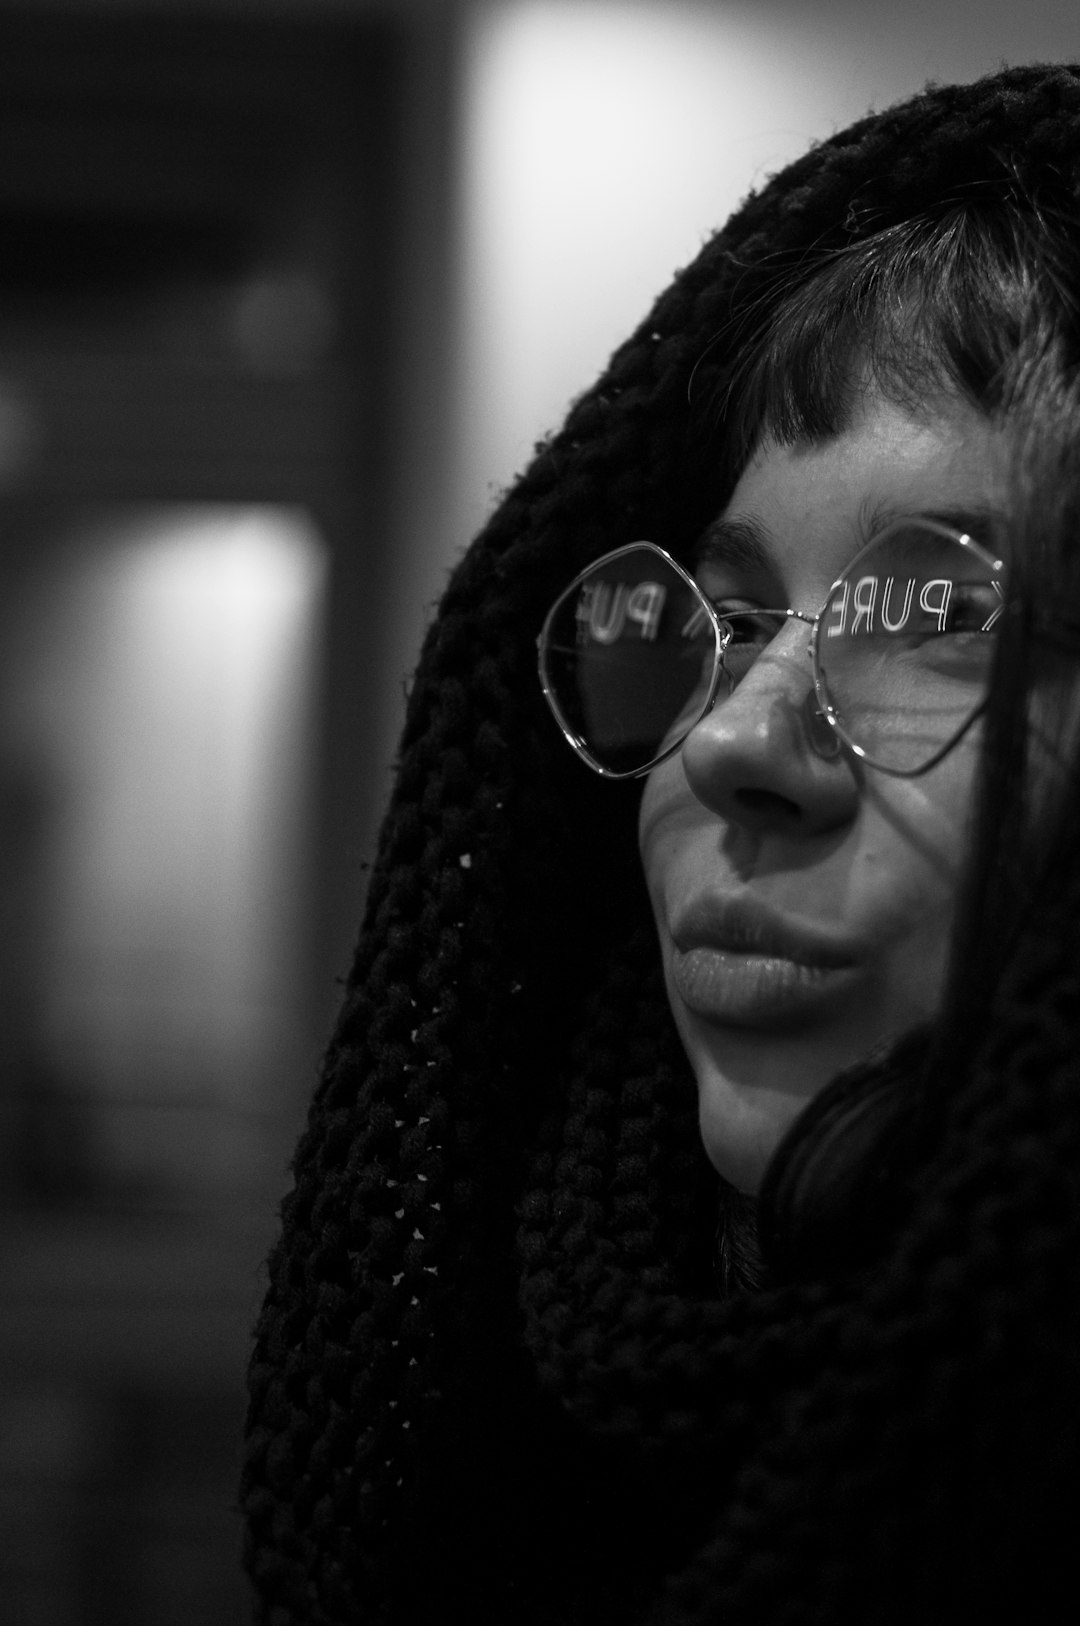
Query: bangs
x: 942, y: 305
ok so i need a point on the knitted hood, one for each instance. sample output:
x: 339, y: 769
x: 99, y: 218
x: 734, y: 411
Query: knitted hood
x: 493, y: 1378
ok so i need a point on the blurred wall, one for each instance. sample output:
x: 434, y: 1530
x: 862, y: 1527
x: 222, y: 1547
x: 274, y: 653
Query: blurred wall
x: 222, y: 233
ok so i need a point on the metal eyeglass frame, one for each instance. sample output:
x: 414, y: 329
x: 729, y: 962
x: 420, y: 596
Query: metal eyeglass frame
x: 723, y: 633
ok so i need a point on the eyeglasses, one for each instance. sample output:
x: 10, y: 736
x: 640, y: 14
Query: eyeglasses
x: 634, y: 654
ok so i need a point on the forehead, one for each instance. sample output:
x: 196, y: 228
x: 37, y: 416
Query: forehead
x: 812, y: 504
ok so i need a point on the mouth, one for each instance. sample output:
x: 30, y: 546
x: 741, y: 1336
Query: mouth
x: 738, y: 963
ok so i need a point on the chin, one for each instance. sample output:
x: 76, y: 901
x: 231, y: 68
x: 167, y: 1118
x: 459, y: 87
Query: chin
x: 740, y: 1145
x: 747, y: 1104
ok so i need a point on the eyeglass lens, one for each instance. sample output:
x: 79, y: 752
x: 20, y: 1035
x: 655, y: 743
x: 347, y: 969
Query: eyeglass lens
x: 629, y: 651
x: 903, y: 649
x: 904, y: 645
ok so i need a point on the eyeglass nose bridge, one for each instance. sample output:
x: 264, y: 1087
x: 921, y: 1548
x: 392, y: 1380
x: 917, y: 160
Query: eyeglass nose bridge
x: 821, y: 731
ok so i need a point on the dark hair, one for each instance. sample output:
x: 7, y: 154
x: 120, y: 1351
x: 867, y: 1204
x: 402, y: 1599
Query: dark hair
x: 1026, y: 813
x: 975, y: 301
x: 953, y: 302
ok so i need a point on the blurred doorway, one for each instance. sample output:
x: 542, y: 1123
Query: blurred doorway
x: 158, y: 729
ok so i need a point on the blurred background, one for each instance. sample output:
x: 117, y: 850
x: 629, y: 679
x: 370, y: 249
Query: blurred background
x: 288, y: 290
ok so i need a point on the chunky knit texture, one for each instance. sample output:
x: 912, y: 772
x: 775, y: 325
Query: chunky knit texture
x: 493, y: 1380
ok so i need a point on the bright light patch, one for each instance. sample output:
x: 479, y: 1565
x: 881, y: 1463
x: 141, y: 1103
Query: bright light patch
x: 604, y: 142
x: 173, y: 691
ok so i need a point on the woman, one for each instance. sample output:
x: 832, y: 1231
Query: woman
x: 733, y: 1281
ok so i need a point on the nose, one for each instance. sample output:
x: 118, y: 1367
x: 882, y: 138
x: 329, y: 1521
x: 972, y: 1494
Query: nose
x: 763, y: 757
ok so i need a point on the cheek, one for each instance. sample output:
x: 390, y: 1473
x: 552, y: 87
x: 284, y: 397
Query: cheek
x: 664, y: 793
x: 905, y: 881
x: 924, y: 825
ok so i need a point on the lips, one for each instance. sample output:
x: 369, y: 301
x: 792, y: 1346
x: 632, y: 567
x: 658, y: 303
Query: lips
x: 736, y: 962
x: 740, y: 926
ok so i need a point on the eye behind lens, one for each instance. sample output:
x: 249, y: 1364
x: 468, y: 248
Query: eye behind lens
x: 905, y: 643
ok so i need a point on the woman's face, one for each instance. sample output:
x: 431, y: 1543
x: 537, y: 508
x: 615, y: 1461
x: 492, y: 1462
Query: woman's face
x: 804, y: 903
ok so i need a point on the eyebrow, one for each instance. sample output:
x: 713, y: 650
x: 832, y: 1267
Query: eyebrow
x: 743, y: 543
x: 972, y: 519
x: 740, y: 543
